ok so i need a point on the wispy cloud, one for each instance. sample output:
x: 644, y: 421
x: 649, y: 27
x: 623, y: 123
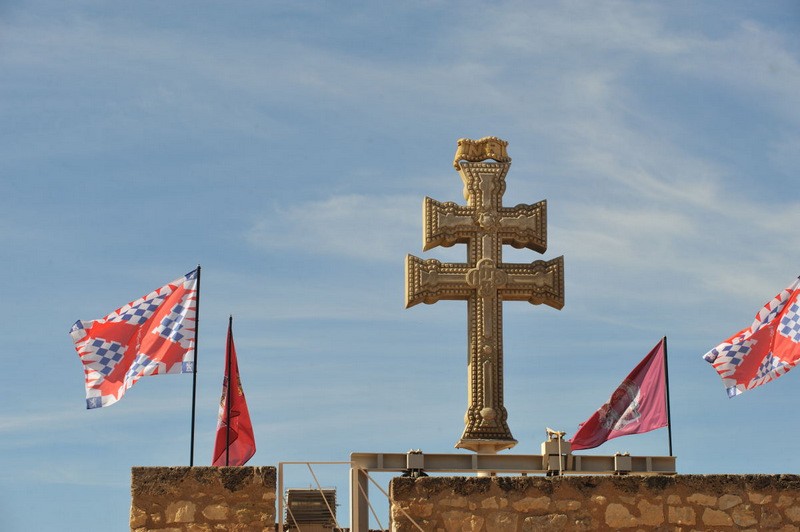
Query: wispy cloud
x: 355, y: 226
x: 754, y: 59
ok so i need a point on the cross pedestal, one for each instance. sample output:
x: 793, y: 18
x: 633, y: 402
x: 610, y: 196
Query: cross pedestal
x: 484, y: 281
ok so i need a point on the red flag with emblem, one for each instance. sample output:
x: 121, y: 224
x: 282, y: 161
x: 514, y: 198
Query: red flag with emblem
x: 638, y: 405
x: 235, y: 442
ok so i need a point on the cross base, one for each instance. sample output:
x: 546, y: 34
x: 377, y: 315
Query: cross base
x: 481, y: 446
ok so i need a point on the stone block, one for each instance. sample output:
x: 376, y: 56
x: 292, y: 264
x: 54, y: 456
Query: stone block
x: 532, y: 504
x: 195, y: 527
x: 138, y: 517
x: 420, y: 508
x: 567, y: 506
x: 457, y: 521
x: 770, y: 519
x: 682, y: 515
x: 585, y: 524
x: 743, y: 515
x: 785, y: 501
x: 759, y: 498
x: 545, y: 523
x: 502, y: 521
x: 216, y: 512
x: 473, y: 524
x: 702, y: 499
x: 599, y: 500
x: 247, y: 515
x: 454, y: 502
x: 490, y: 503
x: 728, y: 501
x: 404, y: 525
x: 180, y: 512
x: 713, y: 517
x: 618, y: 516
x: 650, y: 514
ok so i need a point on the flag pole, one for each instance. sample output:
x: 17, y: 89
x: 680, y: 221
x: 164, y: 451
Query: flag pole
x: 666, y: 379
x: 228, y: 394
x: 194, y: 366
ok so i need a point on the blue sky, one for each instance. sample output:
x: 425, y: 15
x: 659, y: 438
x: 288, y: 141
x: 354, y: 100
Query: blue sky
x: 287, y: 148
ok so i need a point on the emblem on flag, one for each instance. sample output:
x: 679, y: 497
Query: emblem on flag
x: 150, y: 336
x: 623, y: 407
x: 764, y: 351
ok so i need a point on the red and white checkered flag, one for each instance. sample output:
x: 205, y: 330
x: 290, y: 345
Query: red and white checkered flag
x: 764, y: 351
x: 153, y: 335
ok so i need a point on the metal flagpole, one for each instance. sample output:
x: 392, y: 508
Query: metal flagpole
x: 228, y: 397
x: 666, y: 379
x: 194, y: 366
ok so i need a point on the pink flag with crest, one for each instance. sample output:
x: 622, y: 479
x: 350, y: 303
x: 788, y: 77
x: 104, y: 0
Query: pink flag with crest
x: 638, y: 405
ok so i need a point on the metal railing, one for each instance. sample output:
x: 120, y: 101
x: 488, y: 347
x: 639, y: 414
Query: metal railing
x: 361, y: 464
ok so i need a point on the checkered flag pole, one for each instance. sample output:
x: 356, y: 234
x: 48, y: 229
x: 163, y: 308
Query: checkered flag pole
x: 194, y: 373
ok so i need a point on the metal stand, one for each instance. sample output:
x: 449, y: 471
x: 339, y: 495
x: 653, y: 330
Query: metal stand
x: 556, y: 459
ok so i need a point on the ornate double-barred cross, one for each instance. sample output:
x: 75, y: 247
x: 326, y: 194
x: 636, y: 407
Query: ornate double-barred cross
x: 484, y: 281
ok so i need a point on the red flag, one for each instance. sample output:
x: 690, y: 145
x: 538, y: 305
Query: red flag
x: 638, y: 405
x: 150, y: 336
x: 235, y: 443
x: 764, y: 351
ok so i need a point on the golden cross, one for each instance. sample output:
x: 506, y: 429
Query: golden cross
x: 484, y: 281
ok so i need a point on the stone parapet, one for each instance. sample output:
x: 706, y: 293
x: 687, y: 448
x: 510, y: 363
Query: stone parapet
x: 202, y: 499
x: 517, y: 504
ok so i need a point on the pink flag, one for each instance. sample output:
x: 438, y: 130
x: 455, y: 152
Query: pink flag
x: 764, y: 351
x: 150, y: 336
x: 638, y: 405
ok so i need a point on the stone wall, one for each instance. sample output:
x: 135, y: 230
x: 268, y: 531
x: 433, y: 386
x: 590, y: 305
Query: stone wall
x: 202, y: 499
x: 515, y: 504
